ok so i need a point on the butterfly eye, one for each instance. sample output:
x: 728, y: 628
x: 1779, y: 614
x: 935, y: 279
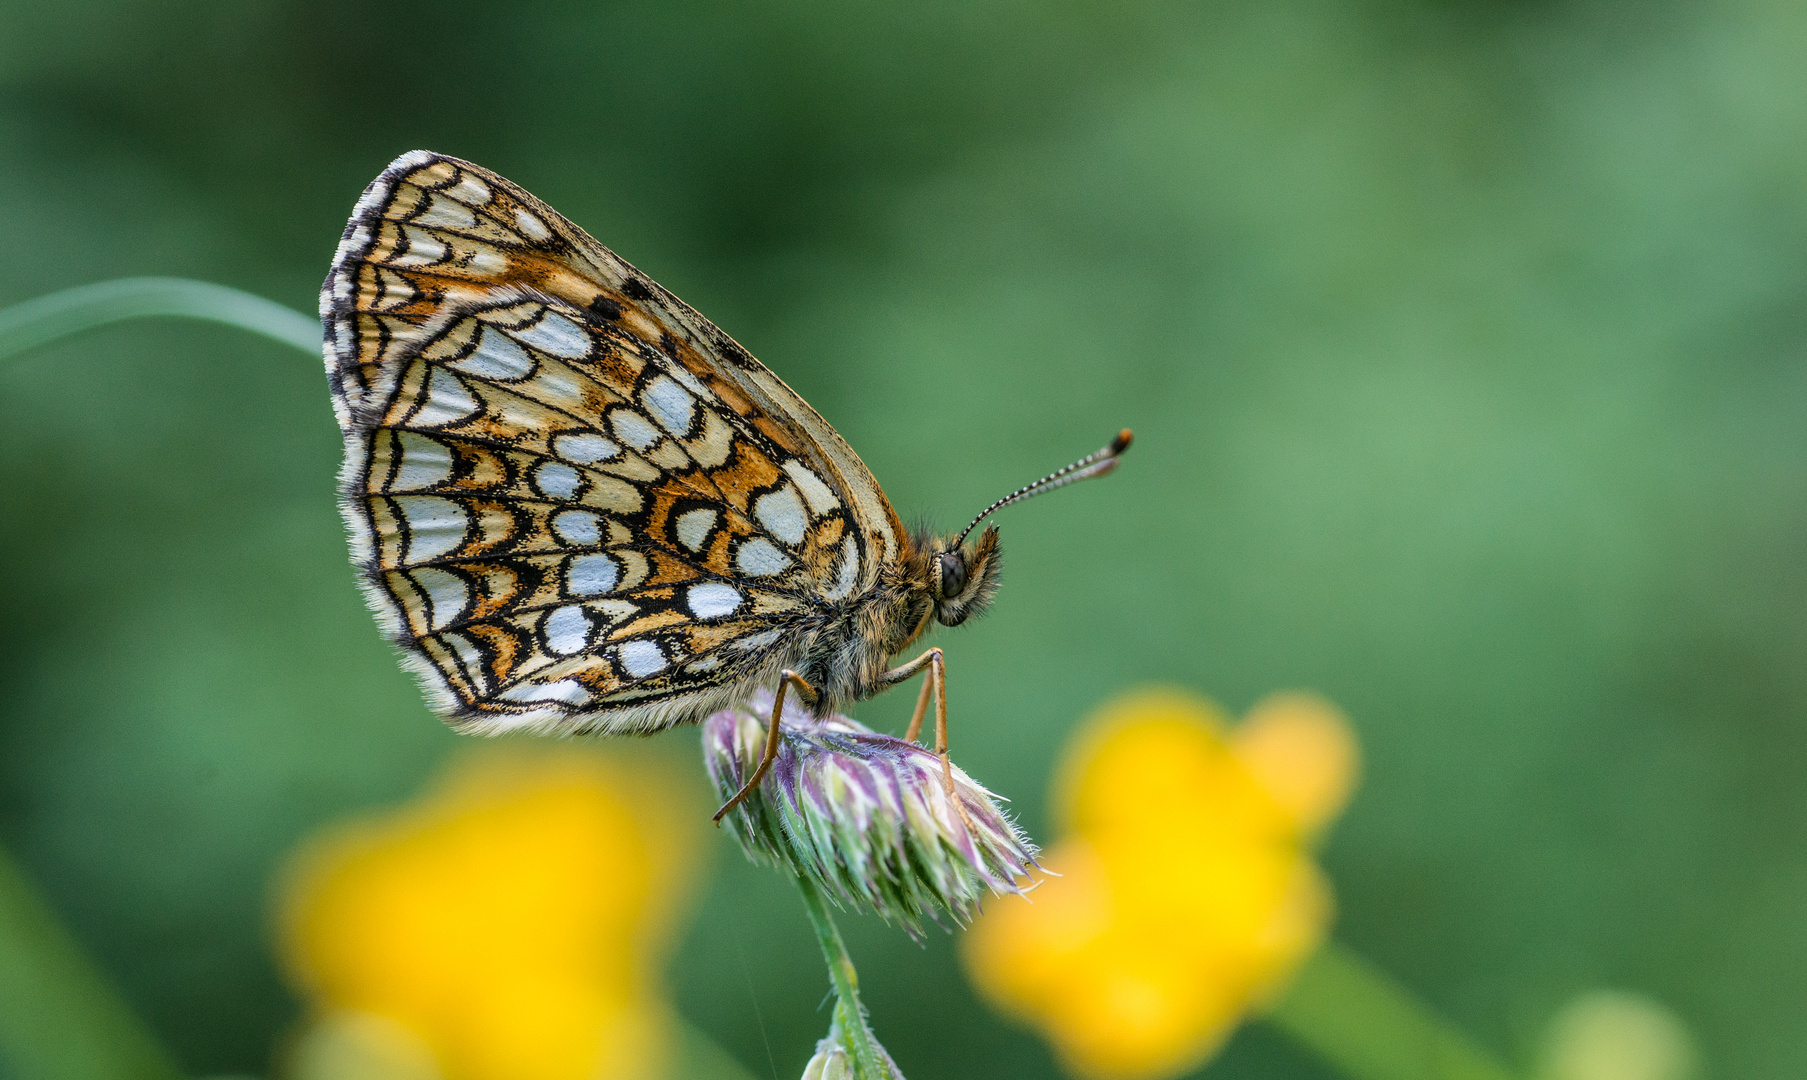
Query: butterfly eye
x: 953, y: 574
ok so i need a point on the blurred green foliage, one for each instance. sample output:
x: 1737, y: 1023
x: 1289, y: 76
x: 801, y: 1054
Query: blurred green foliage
x: 1465, y: 344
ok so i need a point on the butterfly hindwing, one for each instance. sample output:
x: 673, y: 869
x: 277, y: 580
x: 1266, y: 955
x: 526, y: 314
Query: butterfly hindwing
x: 574, y: 506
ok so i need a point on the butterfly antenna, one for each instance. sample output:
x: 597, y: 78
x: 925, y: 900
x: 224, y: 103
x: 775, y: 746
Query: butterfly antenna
x: 1097, y: 463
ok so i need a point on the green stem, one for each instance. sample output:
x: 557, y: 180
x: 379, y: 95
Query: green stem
x: 1356, y: 1017
x: 850, y: 1016
x: 59, y: 1017
x: 43, y: 320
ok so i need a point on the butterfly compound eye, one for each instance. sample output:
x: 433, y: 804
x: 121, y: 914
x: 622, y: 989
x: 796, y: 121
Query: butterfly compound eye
x: 953, y: 574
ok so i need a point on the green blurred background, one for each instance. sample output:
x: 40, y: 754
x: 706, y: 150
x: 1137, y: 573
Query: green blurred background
x: 1465, y: 345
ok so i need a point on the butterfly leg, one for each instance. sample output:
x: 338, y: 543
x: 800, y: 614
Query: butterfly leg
x: 771, y: 739
x: 934, y: 686
x: 922, y: 708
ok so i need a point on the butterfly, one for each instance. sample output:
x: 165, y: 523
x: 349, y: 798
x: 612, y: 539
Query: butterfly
x: 578, y: 507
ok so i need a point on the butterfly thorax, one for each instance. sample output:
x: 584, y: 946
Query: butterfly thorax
x: 932, y: 581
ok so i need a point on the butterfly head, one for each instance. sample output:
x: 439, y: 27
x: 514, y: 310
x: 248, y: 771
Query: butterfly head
x: 964, y: 577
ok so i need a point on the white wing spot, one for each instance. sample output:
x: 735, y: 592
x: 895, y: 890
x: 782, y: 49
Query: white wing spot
x: 642, y: 658
x: 591, y: 575
x: 691, y: 382
x: 714, y: 444
x: 633, y: 429
x: 849, y: 574
x: 567, y: 630
x: 556, y: 480
x: 446, y: 214
x: 758, y: 558
x: 447, y: 593
x: 671, y: 405
x: 712, y: 600
x: 447, y: 401
x: 436, y: 526
x: 694, y: 527
x: 423, y: 249
x: 424, y: 463
x: 578, y: 527
x: 496, y: 357
x: 781, y: 513
x: 817, y: 494
x: 531, y: 226
x: 557, y: 335
x: 485, y: 263
x: 470, y: 190
x: 585, y: 449
x: 567, y: 691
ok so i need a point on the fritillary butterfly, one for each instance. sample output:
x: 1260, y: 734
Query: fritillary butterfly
x: 578, y: 507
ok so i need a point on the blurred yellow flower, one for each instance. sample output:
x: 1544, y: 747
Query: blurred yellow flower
x: 1187, y: 893
x: 507, y: 926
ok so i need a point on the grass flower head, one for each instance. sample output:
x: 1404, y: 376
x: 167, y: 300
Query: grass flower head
x: 868, y: 817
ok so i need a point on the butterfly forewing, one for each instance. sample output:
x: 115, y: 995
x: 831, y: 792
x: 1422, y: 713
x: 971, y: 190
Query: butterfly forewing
x: 576, y: 502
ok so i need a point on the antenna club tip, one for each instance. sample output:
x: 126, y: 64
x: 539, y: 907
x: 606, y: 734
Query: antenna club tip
x: 1122, y: 441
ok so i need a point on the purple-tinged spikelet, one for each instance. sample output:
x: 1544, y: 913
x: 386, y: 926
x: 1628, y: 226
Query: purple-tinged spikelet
x: 866, y: 816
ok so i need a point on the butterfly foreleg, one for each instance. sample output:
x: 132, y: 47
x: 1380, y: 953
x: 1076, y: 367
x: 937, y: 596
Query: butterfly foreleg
x: 922, y: 708
x: 933, y: 687
x: 771, y: 738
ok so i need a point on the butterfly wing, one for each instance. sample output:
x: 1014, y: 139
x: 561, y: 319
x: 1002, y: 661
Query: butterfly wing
x: 577, y: 504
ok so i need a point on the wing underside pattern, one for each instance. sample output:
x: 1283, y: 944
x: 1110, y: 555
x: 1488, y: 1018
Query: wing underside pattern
x: 573, y: 504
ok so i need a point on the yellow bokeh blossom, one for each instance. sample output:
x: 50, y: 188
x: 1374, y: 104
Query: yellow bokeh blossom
x: 1186, y: 891
x: 507, y: 926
